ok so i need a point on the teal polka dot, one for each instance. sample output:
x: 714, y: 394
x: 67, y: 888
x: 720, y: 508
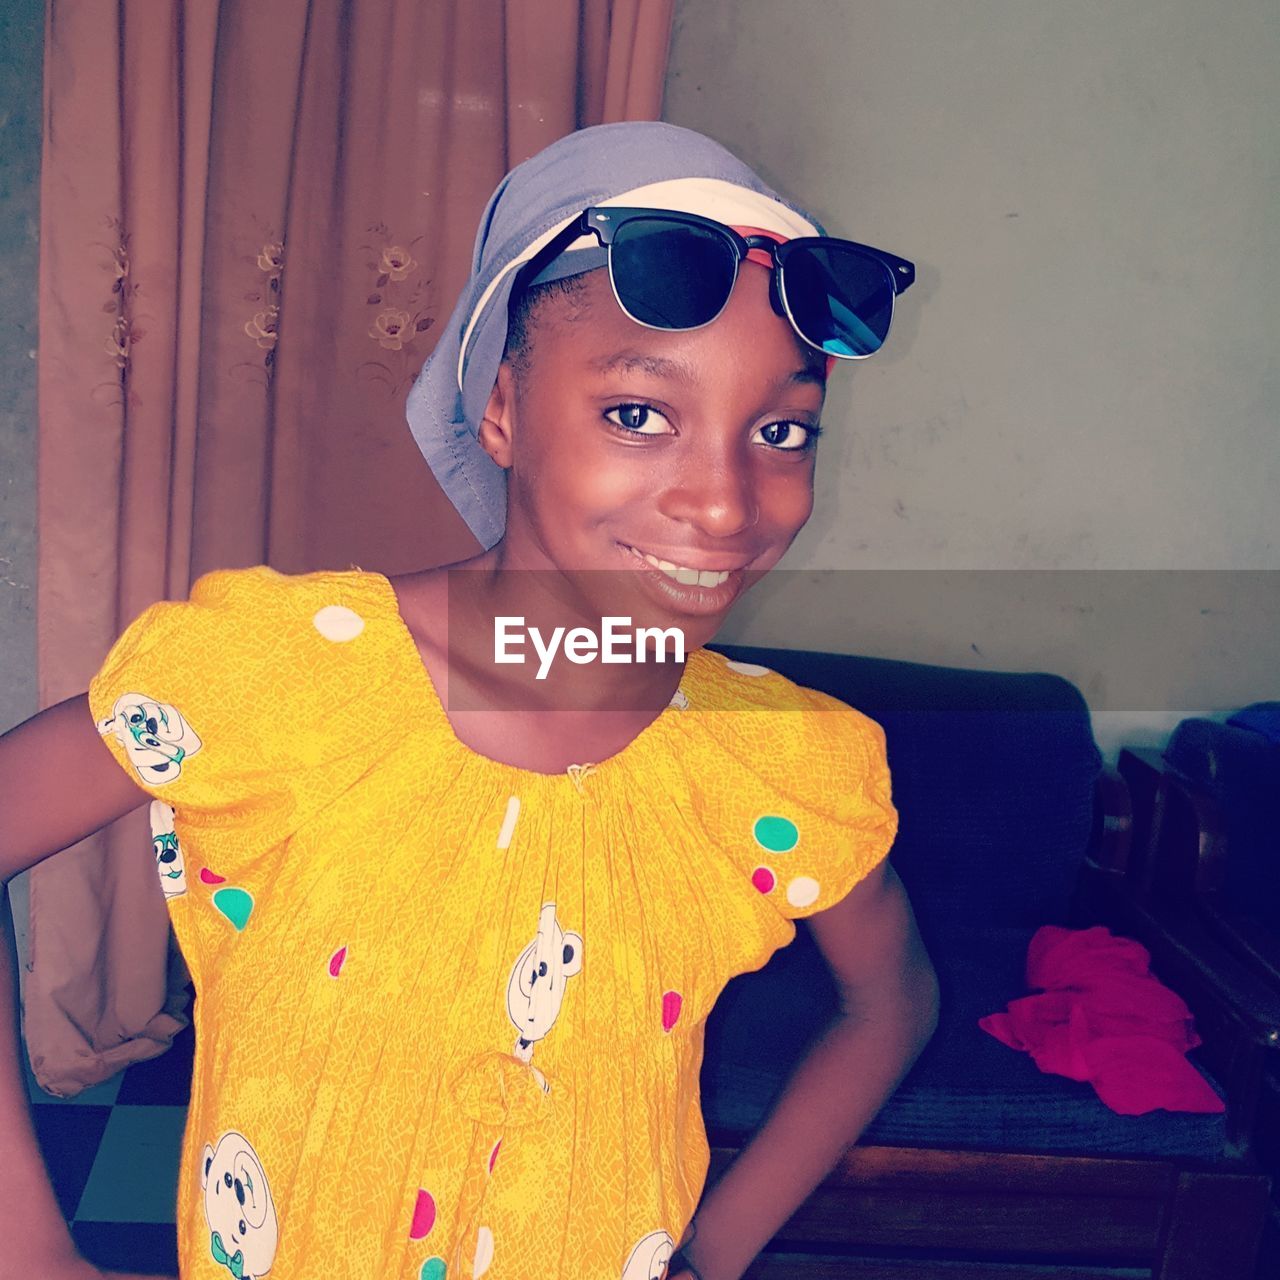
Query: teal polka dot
x: 432, y: 1269
x: 235, y: 904
x: 778, y: 835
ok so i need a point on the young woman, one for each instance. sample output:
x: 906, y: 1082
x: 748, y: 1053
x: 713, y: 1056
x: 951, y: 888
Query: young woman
x: 455, y: 923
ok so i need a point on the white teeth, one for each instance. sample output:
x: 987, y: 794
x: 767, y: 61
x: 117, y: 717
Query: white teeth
x: 684, y: 576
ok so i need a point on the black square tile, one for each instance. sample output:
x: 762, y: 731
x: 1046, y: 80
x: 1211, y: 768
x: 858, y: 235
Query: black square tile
x: 164, y: 1081
x: 147, y: 1247
x: 69, y: 1138
x: 135, y: 1176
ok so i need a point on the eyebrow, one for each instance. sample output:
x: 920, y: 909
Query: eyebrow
x: 640, y: 362
x: 682, y: 371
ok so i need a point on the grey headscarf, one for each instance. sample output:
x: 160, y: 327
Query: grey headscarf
x: 535, y: 200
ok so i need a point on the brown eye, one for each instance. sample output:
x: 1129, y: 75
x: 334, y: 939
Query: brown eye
x: 789, y: 436
x: 636, y: 419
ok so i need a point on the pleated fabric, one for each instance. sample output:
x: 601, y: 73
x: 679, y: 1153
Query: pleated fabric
x: 449, y: 1012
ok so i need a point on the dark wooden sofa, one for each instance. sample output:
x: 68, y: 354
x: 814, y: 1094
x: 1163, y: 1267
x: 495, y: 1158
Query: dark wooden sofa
x: 1207, y: 846
x: 980, y: 1166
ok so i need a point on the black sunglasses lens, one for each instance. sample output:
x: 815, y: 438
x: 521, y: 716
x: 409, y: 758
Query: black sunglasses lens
x: 842, y: 300
x: 671, y: 275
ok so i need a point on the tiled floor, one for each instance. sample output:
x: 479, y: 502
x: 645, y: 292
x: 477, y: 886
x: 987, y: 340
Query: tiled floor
x: 113, y: 1158
x: 112, y: 1154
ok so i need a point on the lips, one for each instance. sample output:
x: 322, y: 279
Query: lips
x: 688, y: 590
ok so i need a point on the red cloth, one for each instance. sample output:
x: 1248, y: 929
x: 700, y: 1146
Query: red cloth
x: 1103, y: 1017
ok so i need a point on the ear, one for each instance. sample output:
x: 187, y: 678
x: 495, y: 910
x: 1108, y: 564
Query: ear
x: 497, y: 422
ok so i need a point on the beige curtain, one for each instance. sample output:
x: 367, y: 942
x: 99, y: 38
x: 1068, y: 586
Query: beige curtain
x: 252, y: 217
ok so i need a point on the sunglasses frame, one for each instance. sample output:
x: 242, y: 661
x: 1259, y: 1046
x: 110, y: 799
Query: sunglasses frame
x: 604, y: 220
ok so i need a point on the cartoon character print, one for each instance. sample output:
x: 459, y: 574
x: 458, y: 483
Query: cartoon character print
x: 648, y: 1260
x: 536, y: 988
x: 164, y: 844
x: 238, y: 1207
x: 154, y: 735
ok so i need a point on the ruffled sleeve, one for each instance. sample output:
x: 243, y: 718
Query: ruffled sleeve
x: 833, y: 821
x: 239, y: 711
x: 801, y: 797
x: 195, y: 702
x: 185, y: 699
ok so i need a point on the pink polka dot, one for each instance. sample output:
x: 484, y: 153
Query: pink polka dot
x: 336, y: 961
x: 671, y: 1002
x: 493, y: 1155
x: 763, y: 879
x: 211, y: 877
x: 424, y: 1215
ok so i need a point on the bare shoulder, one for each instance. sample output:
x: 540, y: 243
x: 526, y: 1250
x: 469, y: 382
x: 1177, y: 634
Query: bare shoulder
x: 423, y: 599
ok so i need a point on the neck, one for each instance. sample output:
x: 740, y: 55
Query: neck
x: 500, y: 599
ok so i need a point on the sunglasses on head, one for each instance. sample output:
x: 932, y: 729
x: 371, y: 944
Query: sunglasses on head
x: 677, y: 270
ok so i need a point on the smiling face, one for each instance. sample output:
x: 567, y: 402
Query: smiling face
x: 630, y: 448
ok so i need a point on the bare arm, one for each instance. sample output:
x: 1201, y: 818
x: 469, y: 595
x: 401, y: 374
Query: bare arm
x: 58, y: 784
x: 889, y: 1011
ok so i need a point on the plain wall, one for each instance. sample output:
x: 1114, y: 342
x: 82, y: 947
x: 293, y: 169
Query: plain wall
x: 1084, y: 375
x: 21, y: 40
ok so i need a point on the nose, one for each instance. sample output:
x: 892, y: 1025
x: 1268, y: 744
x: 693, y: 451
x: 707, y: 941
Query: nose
x: 715, y: 494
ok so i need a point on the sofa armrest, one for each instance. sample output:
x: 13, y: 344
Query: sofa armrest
x: 1185, y: 856
x: 1111, y: 840
x: 1191, y: 857
x: 1140, y: 768
x: 1188, y: 839
x: 1237, y: 1013
x: 1255, y: 944
x: 1210, y: 971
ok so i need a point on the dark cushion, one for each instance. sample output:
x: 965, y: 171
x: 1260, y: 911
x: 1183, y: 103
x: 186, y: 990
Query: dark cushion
x: 966, y: 1090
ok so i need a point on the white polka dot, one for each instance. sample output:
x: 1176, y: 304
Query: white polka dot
x: 509, y: 823
x: 484, y: 1252
x: 747, y: 668
x: 336, y: 622
x: 802, y: 891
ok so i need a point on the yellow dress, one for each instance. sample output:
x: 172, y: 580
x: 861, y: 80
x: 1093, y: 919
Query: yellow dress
x: 449, y: 1012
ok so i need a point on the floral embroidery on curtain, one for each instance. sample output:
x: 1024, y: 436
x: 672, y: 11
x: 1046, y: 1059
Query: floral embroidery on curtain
x: 124, y: 332
x: 400, y: 292
x: 264, y: 327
